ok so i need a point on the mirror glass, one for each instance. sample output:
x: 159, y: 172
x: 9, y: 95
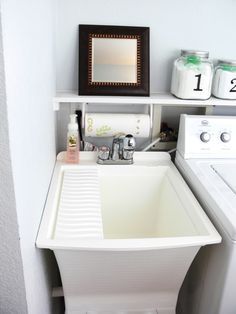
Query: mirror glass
x: 114, y: 60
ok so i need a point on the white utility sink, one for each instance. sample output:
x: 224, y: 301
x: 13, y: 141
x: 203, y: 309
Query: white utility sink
x: 124, y: 235
x: 148, y: 200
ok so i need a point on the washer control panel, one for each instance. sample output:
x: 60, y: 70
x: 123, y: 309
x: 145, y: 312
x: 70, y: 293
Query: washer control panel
x: 207, y: 136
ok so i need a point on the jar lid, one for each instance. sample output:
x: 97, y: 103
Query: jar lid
x: 201, y: 54
x: 227, y: 62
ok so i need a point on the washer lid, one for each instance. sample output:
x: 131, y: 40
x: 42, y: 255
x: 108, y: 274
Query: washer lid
x: 220, y: 183
x: 227, y: 173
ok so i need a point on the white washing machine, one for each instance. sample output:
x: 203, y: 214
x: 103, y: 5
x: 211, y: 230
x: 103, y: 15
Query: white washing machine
x: 206, y: 157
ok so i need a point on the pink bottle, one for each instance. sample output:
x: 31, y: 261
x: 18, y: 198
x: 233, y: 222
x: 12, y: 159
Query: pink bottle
x: 72, y: 153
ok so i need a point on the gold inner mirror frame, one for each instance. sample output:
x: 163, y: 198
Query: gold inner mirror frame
x: 91, y: 82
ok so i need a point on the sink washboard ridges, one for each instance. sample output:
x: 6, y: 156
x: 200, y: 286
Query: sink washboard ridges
x: 79, y: 209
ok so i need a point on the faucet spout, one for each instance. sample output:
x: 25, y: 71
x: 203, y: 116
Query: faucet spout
x: 115, y: 154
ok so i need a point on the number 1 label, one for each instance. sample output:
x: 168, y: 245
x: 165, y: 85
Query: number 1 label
x: 198, y: 82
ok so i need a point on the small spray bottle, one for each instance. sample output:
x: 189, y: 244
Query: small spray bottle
x: 72, y: 154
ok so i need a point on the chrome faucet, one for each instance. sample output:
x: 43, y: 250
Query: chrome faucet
x: 122, y: 152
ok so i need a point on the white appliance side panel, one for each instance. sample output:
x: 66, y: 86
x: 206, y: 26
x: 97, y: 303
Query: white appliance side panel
x: 213, y: 269
x: 211, y: 191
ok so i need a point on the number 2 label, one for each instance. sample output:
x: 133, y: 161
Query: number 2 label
x: 233, y: 89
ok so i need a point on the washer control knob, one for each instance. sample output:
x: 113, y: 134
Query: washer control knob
x: 205, y: 137
x: 225, y: 137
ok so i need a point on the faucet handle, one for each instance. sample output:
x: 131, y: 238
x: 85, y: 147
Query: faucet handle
x: 129, y: 142
x: 103, y: 152
x: 128, y: 147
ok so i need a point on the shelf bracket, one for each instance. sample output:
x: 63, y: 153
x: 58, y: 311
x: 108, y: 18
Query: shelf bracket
x: 84, y: 104
x: 151, y: 118
x: 56, y: 105
x: 209, y: 110
x: 156, y: 124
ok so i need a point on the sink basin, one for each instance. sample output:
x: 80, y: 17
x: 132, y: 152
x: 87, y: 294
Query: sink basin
x: 124, y: 236
x: 142, y: 202
x: 121, y: 205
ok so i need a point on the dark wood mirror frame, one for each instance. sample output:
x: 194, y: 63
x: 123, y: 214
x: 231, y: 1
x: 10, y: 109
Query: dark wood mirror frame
x: 89, y: 87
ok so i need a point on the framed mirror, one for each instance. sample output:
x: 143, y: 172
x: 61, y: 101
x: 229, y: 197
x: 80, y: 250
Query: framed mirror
x: 113, y: 60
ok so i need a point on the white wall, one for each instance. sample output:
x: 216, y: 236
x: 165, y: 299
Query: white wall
x: 174, y: 25
x: 12, y: 286
x: 28, y: 29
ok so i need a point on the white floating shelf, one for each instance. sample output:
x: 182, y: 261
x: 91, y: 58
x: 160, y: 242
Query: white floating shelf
x: 155, y: 98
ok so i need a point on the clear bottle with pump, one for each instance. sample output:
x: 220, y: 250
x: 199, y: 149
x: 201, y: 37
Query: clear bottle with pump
x: 72, y: 153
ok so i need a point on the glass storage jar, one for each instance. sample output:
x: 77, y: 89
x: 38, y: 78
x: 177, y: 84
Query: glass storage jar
x: 192, y: 75
x: 224, y: 82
